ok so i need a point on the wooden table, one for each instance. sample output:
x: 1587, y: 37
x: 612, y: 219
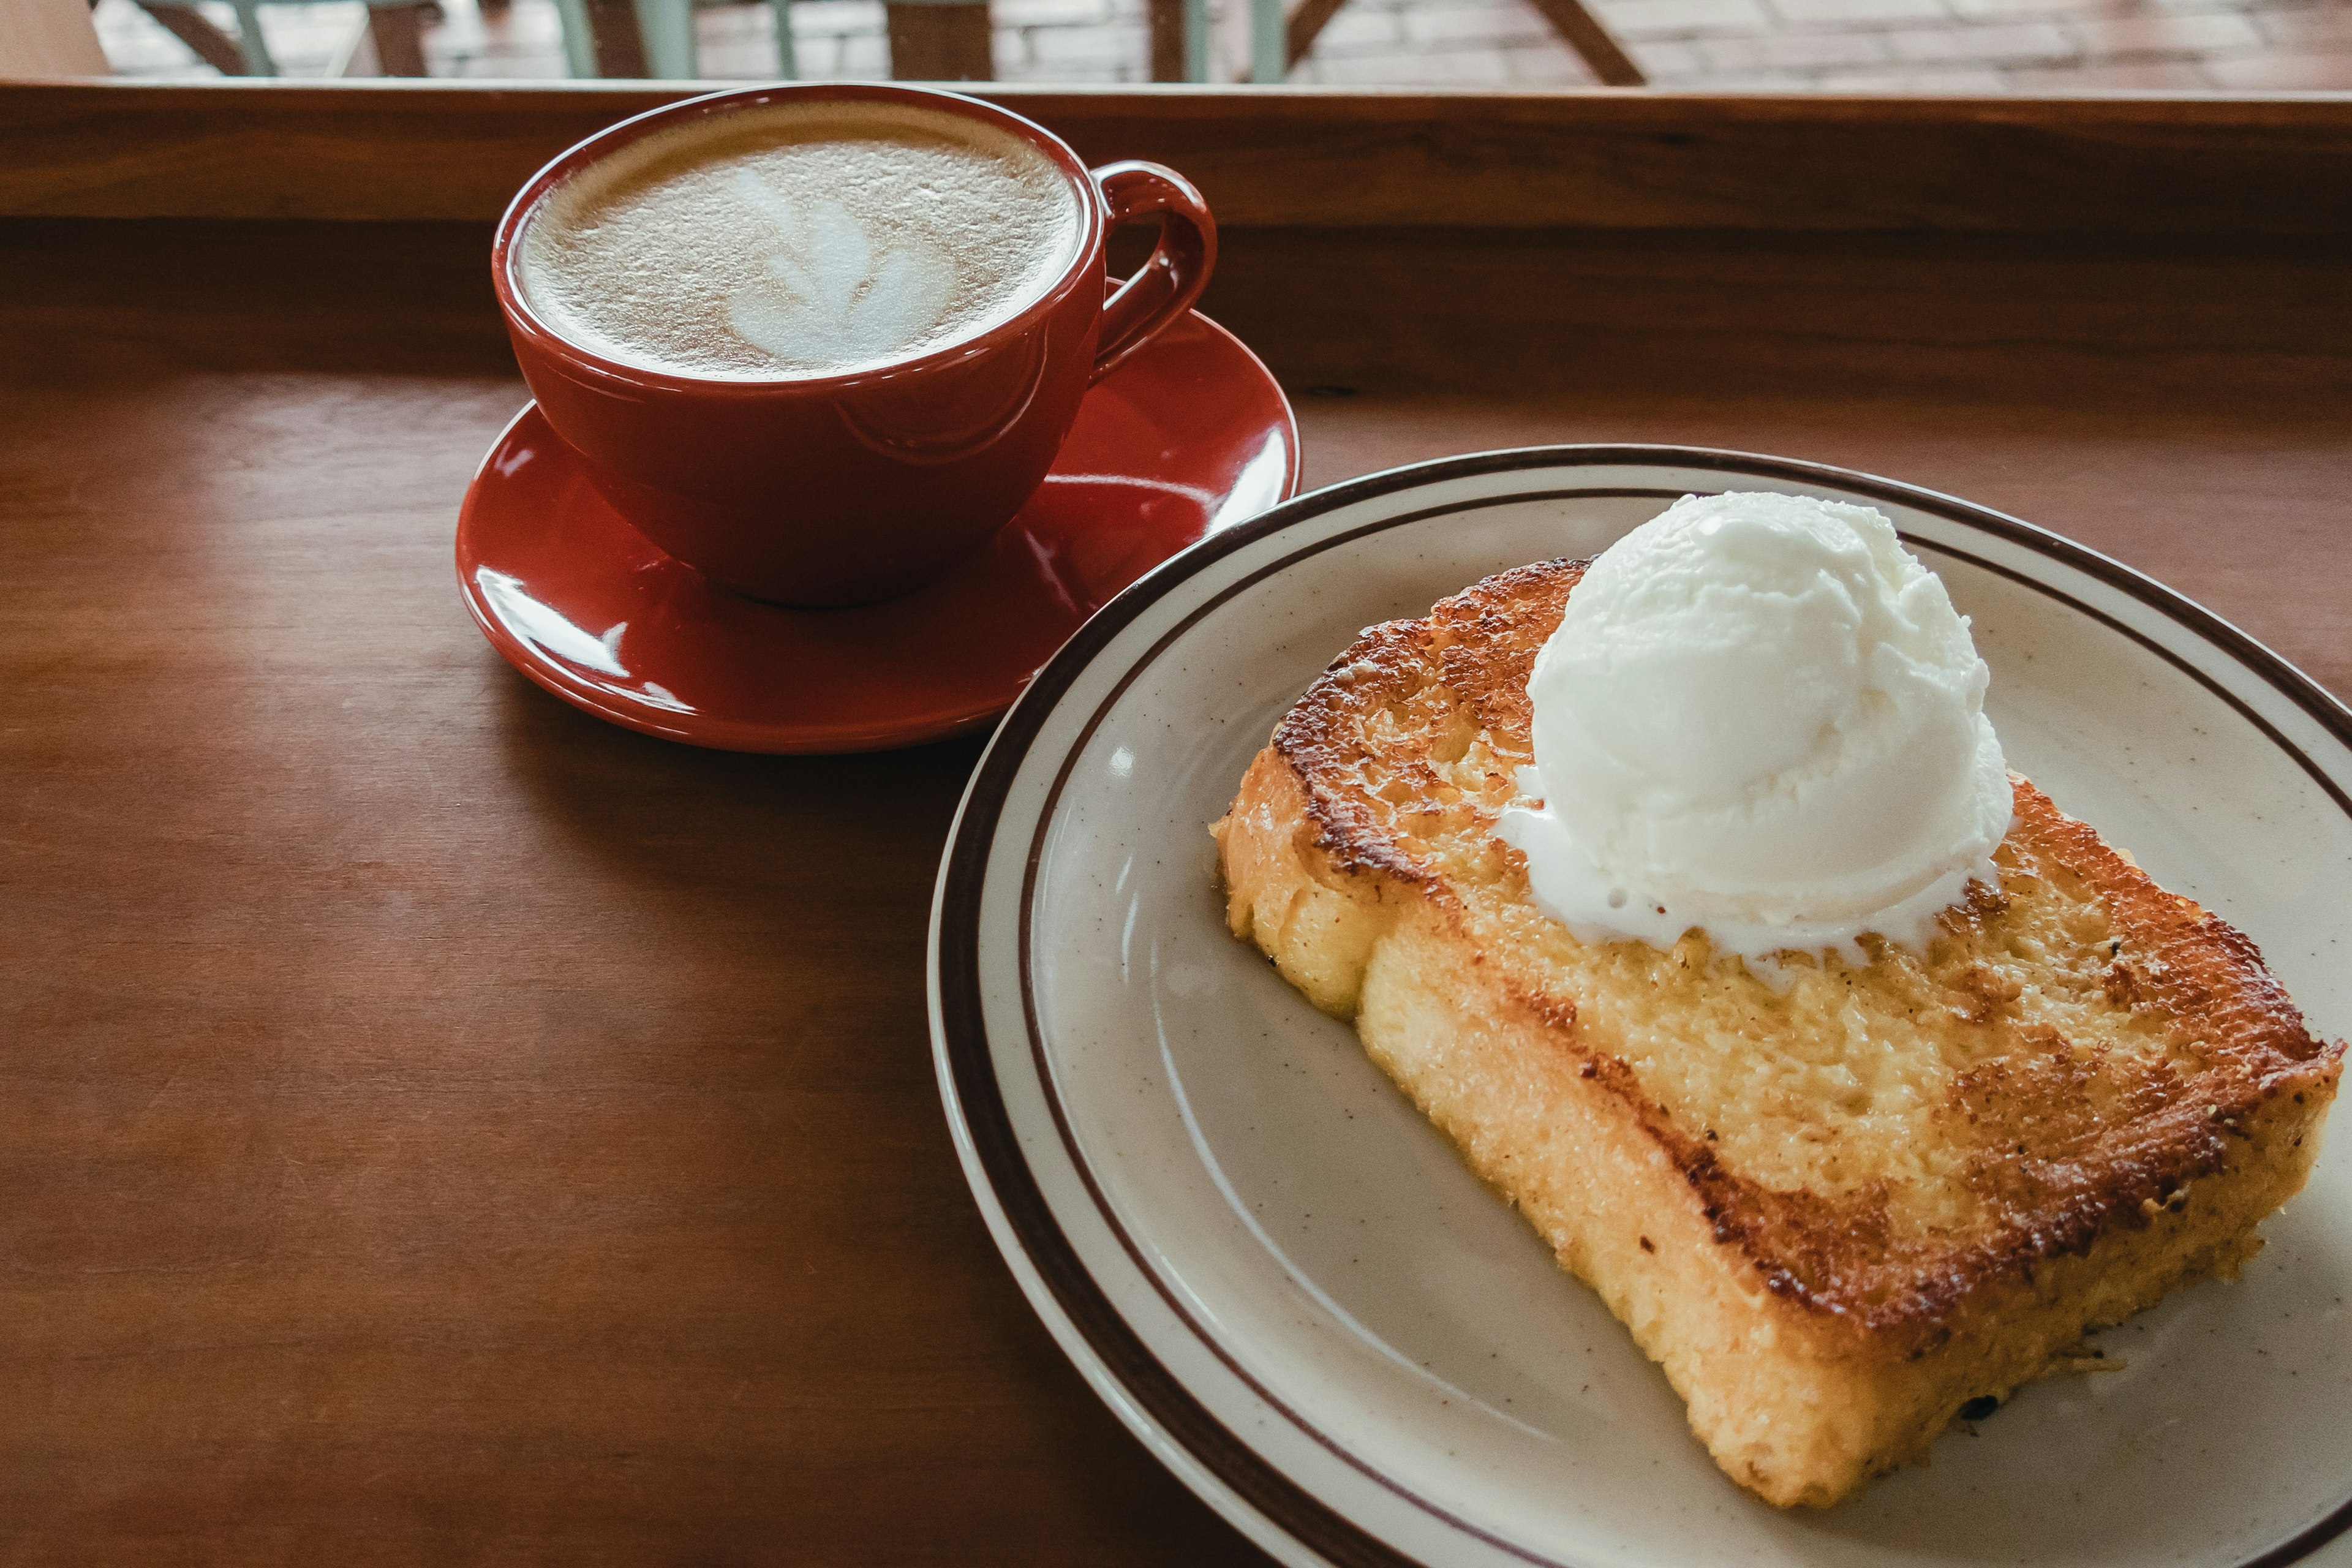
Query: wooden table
x: 440, y: 1128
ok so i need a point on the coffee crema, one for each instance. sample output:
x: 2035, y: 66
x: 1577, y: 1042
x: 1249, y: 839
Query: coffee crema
x: 798, y: 240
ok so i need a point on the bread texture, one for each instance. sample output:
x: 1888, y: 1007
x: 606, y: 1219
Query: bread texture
x: 1836, y: 1208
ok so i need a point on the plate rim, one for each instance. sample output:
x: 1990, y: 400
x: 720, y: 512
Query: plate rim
x: 1249, y: 1489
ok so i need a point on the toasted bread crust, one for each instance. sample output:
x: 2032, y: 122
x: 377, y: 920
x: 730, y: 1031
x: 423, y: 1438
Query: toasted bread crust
x: 1821, y: 1332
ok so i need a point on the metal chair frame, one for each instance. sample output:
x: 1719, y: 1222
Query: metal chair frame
x: 1278, y: 41
x: 253, y: 46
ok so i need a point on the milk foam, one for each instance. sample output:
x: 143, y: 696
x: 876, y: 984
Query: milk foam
x: 798, y: 240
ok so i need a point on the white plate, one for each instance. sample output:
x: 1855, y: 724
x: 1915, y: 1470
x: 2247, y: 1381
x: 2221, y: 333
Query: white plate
x: 1284, y: 1280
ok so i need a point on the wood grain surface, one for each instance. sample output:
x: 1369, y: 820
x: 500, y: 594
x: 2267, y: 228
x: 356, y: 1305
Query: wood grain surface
x: 1286, y: 157
x: 438, y: 1127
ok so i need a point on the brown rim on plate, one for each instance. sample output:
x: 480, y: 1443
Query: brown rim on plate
x: 960, y: 1030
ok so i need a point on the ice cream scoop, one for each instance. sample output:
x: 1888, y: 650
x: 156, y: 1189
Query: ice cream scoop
x: 1761, y: 716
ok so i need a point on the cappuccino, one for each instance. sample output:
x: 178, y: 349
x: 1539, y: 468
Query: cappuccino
x: 799, y: 240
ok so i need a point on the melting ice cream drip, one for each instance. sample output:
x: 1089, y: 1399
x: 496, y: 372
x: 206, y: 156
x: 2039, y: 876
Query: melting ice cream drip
x: 835, y: 302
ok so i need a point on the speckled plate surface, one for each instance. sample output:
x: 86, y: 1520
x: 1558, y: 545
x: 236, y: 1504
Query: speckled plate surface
x: 1286, y: 1283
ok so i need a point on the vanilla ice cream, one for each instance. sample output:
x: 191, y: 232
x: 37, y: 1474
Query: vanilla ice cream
x: 1761, y: 717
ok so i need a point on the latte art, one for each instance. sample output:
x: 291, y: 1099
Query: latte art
x: 799, y: 240
x: 833, y: 299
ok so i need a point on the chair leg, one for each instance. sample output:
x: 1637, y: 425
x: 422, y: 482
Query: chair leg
x: 1166, y: 18
x: 577, y: 36
x: 398, y: 32
x: 208, y: 43
x: 669, y: 28
x: 931, y: 42
x: 1581, y: 30
x: 618, y: 47
x: 249, y: 40
x: 1268, y: 65
x: 1577, y: 29
x: 1277, y: 46
x: 1306, y: 25
x: 788, y: 63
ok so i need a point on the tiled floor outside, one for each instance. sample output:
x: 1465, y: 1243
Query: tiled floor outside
x: 1910, y: 46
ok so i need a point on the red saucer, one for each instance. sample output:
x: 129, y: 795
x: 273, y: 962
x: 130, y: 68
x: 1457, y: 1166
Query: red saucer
x: 1189, y: 436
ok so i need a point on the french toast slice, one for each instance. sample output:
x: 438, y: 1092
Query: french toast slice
x: 1836, y: 1208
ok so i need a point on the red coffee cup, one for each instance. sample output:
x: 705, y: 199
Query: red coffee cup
x: 841, y: 489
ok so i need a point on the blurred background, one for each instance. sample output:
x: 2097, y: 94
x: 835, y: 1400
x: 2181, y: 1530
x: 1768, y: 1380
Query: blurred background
x: 1904, y: 46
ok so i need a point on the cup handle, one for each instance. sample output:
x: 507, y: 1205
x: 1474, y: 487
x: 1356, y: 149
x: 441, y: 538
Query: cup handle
x: 1164, y: 286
